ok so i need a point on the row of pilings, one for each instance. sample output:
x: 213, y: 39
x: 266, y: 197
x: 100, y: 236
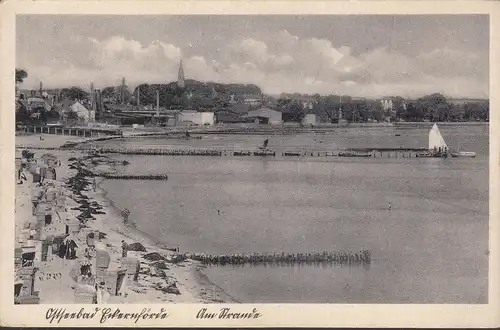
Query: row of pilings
x: 339, y: 258
x: 159, y: 152
x: 132, y: 177
x: 395, y: 153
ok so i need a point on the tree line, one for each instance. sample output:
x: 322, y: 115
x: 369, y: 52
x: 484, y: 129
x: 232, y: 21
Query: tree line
x: 214, y: 96
x: 434, y: 107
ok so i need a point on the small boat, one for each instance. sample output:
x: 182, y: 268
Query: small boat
x: 463, y: 154
x: 437, y: 145
x: 355, y: 154
x: 290, y: 153
x: 430, y: 155
x: 242, y: 153
x: 459, y: 153
x: 264, y: 145
x: 264, y: 153
x: 69, y: 145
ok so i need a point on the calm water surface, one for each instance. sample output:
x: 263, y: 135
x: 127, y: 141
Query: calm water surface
x: 431, y: 248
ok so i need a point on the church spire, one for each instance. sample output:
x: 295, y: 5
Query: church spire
x: 180, y: 77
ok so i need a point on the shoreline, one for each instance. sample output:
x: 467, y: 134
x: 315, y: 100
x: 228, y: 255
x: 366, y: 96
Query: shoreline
x: 183, y: 275
x: 206, y: 285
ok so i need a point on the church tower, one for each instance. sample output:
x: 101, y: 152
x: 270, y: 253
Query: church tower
x: 180, y: 77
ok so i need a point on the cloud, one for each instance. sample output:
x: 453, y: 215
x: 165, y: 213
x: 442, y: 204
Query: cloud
x: 254, y: 48
x: 118, y: 51
x: 286, y: 40
x: 278, y: 62
x: 325, y: 51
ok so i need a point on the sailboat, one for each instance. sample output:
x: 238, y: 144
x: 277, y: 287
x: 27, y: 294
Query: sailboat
x: 459, y: 153
x: 437, y: 145
x: 264, y: 151
x: 264, y: 145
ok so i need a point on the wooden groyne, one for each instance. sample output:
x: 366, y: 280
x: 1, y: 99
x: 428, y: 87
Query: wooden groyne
x: 353, y: 152
x: 36, y: 148
x: 378, y: 149
x: 157, y: 152
x: 132, y: 177
x: 340, y: 258
x: 349, y: 152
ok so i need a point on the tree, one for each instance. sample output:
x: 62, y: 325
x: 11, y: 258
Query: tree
x: 293, y: 112
x: 22, y: 115
x: 114, y: 92
x: 20, y: 75
x: 71, y: 115
x: 74, y: 93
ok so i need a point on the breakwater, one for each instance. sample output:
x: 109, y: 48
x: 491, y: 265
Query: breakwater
x: 339, y: 258
x: 36, y: 148
x: 157, y: 152
x: 352, y: 152
x: 132, y: 177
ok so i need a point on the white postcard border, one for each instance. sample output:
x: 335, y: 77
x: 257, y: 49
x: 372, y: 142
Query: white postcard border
x: 271, y: 315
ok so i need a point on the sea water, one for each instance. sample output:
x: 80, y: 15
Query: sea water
x: 431, y: 246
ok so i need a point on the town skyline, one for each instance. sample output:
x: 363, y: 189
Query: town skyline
x: 374, y: 56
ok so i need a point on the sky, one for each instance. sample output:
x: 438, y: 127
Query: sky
x: 357, y: 55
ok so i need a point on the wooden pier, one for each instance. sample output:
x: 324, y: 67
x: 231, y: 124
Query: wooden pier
x: 374, y: 153
x: 71, y: 131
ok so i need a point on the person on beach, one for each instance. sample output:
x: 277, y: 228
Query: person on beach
x: 124, y: 249
x: 94, y: 184
x: 20, y: 176
x: 390, y: 206
x: 102, y: 295
x: 71, y: 250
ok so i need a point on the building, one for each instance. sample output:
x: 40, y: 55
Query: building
x: 252, y: 100
x: 265, y: 116
x: 84, y: 115
x: 387, y: 105
x: 195, y: 118
x: 36, y: 103
x: 309, y: 120
x: 21, y: 105
x: 180, y: 77
x: 228, y: 116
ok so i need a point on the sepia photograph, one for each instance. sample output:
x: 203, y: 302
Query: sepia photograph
x: 250, y: 159
x: 293, y: 159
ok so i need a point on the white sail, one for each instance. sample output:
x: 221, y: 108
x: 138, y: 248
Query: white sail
x: 436, y: 139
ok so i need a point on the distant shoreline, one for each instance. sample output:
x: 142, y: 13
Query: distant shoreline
x: 444, y: 123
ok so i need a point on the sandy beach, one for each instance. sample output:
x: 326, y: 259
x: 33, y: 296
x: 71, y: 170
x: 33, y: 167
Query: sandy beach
x: 164, y: 275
